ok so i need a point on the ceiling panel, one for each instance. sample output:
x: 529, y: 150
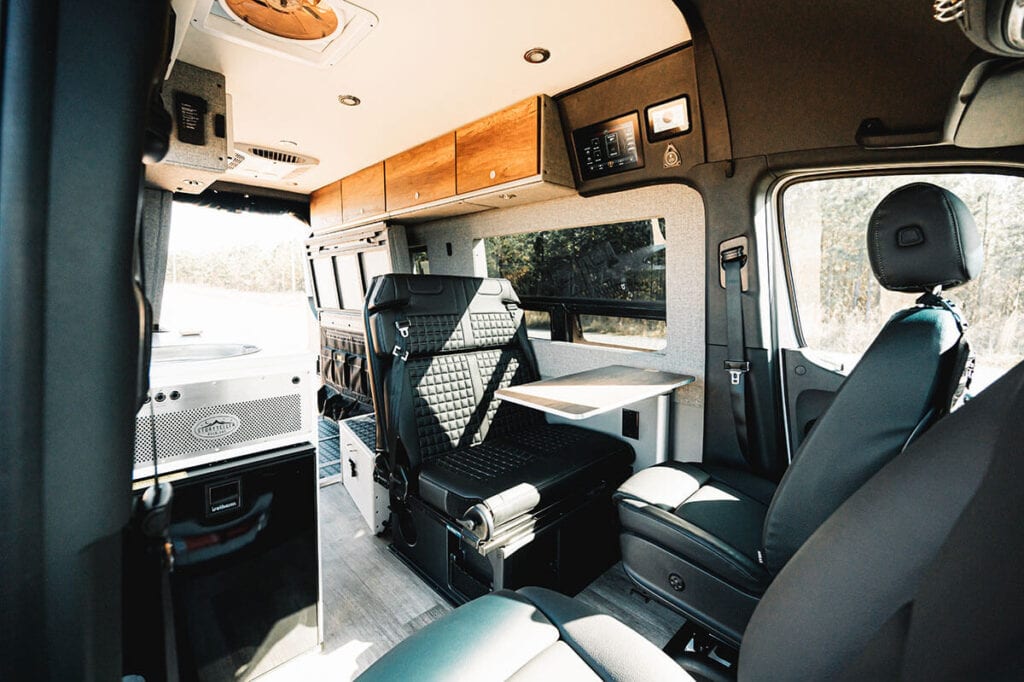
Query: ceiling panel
x: 426, y: 68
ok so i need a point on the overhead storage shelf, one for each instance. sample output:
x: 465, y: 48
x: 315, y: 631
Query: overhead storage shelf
x: 514, y: 156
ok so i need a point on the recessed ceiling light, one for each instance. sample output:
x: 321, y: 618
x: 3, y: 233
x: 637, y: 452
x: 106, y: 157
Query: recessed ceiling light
x: 349, y: 100
x: 537, y: 55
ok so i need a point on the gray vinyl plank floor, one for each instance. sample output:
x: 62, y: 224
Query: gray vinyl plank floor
x: 372, y: 600
x: 612, y: 593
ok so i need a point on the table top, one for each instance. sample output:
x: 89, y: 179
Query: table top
x: 594, y: 392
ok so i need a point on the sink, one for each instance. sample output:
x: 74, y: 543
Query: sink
x: 202, y: 351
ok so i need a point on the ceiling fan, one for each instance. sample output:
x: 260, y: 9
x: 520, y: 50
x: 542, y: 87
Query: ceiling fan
x: 318, y: 32
x: 292, y: 19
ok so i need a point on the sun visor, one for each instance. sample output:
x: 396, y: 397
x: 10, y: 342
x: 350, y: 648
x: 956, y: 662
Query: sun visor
x: 991, y: 115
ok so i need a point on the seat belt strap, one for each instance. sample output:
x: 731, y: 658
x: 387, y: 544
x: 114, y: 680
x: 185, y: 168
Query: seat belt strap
x: 399, y: 483
x: 963, y: 370
x: 736, y: 363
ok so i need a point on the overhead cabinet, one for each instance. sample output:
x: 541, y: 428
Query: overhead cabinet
x: 362, y: 194
x: 423, y: 174
x: 514, y: 156
x: 500, y: 148
x: 325, y: 206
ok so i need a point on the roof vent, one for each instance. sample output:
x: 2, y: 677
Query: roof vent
x: 267, y: 163
x: 317, y: 32
x: 275, y: 155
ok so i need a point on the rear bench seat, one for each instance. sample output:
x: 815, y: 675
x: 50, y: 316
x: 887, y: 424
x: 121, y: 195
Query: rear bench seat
x: 461, y: 461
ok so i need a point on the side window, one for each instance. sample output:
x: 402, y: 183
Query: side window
x: 841, y: 307
x: 602, y: 284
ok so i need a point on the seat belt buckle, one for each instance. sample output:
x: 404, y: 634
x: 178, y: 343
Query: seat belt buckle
x: 400, y: 351
x: 736, y: 370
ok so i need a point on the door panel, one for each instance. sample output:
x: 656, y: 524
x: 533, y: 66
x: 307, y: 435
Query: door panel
x: 810, y: 384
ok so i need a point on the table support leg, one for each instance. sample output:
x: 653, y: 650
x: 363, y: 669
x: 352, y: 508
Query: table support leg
x: 661, y: 447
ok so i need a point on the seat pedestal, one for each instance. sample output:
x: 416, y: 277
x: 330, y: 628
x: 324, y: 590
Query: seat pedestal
x: 563, y: 547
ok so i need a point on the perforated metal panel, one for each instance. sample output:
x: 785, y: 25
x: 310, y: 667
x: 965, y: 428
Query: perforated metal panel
x: 258, y: 419
x: 201, y: 422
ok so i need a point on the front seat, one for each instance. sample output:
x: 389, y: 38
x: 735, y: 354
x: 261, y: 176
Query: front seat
x: 708, y: 540
x: 918, y: 576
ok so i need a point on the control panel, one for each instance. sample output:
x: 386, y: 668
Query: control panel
x: 608, y: 147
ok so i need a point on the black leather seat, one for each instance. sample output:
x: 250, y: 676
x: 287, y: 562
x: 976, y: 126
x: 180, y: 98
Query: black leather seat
x: 707, y: 540
x: 917, y: 576
x: 440, y: 347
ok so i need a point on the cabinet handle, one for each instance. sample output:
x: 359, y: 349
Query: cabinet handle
x: 493, y: 175
x: 417, y: 195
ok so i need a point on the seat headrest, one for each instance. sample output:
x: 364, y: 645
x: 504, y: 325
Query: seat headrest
x: 921, y: 236
x: 442, y: 313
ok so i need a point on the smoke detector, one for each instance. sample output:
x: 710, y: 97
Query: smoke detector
x: 267, y: 163
x: 317, y: 32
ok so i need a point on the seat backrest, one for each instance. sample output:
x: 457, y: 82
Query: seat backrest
x: 920, y: 237
x: 920, y: 574
x: 465, y: 339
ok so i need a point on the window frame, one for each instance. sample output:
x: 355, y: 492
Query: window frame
x: 565, y: 315
x: 778, y: 207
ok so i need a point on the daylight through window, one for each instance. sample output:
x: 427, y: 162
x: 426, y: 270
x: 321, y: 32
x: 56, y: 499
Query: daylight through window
x: 841, y: 305
x: 599, y: 284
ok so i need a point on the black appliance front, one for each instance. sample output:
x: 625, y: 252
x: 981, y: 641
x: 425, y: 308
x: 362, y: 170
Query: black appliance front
x: 245, y: 585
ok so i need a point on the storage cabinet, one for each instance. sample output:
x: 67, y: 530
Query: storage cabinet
x: 362, y: 193
x: 325, y: 206
x: 514, y: 156
x: 358, y: 437
x: 422, y: 174
x: 500, y: 148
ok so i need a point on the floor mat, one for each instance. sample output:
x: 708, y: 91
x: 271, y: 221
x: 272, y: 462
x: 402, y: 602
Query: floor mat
x: 328, y: 451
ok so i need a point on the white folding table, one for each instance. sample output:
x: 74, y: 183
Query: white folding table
x: 596, y: 391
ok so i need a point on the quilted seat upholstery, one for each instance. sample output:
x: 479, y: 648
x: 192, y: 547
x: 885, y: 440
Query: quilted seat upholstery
x: 456, y: 440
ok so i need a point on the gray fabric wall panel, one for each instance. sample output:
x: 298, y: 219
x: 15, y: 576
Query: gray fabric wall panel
x: 683, y: 210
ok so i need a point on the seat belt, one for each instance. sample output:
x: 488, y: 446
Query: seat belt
x: 398, y: 478
x: 963, y: 370
x: 736, y: 364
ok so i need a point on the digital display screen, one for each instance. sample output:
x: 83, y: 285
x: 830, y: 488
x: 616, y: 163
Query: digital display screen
x: 609, y: 147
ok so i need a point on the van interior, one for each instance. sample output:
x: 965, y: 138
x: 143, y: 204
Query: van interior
x: 661, y: 340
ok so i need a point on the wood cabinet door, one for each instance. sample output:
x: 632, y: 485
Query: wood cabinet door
x: 362, y: 193
x: 325, y: 206
x: 422, y: 174
x: 499, y: 148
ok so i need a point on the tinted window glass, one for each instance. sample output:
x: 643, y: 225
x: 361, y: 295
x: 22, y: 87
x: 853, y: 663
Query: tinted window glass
x: 611, y: 277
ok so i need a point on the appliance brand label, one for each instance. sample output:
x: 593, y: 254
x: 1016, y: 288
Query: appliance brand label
x: 216, y: 426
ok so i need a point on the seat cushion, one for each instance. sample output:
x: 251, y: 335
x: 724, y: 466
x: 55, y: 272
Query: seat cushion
x: 553, y: 458
x: 712, y: 517
x: 533, y: 634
